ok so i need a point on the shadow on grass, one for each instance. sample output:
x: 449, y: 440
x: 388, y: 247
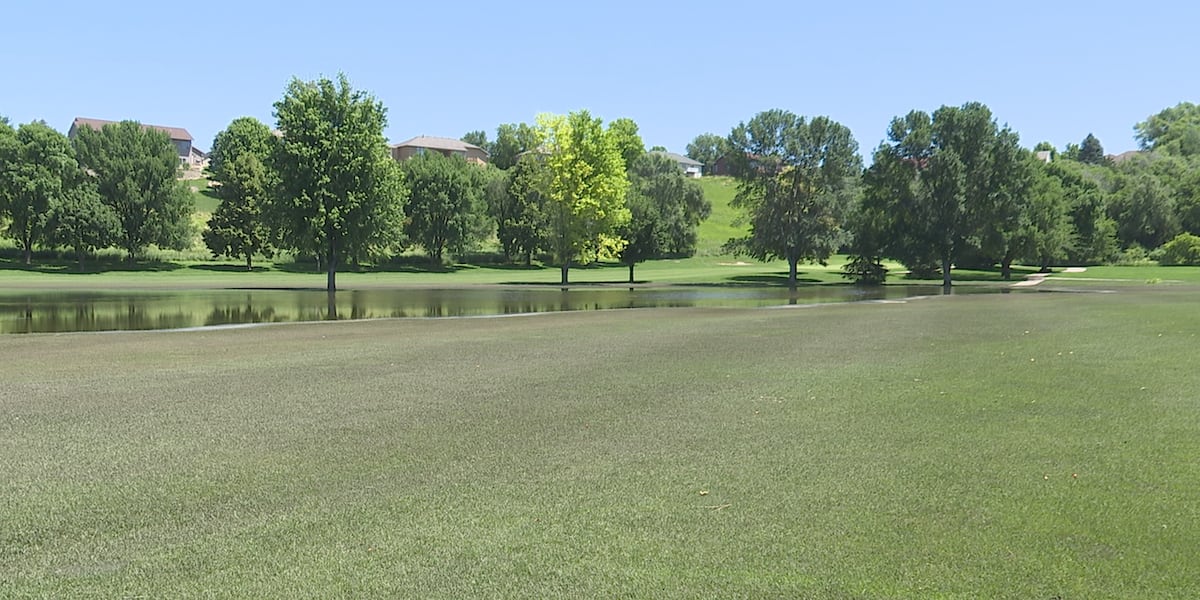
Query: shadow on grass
x: 90, y: 267
x: 974, y: 275
x: 229, y: 268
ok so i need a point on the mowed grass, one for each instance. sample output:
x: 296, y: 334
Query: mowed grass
x: 991, y: 446
x: 724, y: 221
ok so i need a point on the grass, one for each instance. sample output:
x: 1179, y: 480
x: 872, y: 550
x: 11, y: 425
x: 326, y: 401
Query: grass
x: 720, y: 225
x: 1023, y: 446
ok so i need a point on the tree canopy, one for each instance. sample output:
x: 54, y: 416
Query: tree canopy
x: 1174, y: 130
x: 135, y: 169
x: 795, y: 183
x: 665, y: 209
x: 340, y: 193
x: 446, y: 209
x: 240, y: 167
x: 583, y: 182
x: 707, y: 148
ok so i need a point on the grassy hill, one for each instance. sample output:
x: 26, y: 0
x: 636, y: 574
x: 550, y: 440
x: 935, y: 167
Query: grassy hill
x: 719, y: 226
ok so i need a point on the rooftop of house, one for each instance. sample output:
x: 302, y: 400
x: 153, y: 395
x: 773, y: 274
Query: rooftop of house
x: 679, y: 158
x: 438, y: 143
x: 176, y: 133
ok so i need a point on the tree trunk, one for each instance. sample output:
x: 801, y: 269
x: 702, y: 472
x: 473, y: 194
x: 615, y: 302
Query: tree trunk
x: 792, y: 262
x: 28, y: 254
x: 249, y: 265
x: 946, y: 274
x: 331, y: 305
x: 79, y: 255
x: 331, y: 270
x: 1006, y: 268
x: 630, y: 272
x: 563, y: 270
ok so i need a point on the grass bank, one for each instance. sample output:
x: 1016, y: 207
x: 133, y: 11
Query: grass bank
x: 998, y: 446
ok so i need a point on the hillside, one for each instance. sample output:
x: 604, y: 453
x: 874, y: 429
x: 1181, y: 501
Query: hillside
x: 719, y: 226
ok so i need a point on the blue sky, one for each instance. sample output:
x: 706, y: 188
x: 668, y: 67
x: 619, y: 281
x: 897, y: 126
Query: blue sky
x: 1054, y: 71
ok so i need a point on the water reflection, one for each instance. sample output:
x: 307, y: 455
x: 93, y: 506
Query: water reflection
x: 29, y: 312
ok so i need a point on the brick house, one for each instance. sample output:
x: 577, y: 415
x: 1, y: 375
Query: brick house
x: 447, y: 146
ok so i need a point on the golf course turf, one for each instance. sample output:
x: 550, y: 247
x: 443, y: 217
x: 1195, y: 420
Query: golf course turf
x: 1024, y: 445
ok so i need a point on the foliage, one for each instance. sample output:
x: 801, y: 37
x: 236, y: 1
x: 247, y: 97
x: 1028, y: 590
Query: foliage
x: 239, y: 164
x: 446, y: 209
x: 624, y: 135
x: 795, y: 182
x: 477, y: 138
x: 707, y: 148
x: 80, y: 220
x: 1048, y: 234
x: 37, y: 169
x: 1144, y: 211
x: 949, y: 186
x: 1174, y: 130
x: 584, y: 183
x: 1184, y: 249
x: 512, y: 140
x: 519, y: 209
x: 665, y: 208
x: 135, y: 170
x: 341, y: 194
x: 1091, y: 151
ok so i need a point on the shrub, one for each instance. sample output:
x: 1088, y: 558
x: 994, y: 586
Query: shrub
x: 1183, y: 250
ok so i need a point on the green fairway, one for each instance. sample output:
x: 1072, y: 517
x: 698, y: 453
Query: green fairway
x: 993, y: 446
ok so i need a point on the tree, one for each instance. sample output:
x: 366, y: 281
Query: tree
x: 1174, y: 130
x: 624, y: 134
x: 80, y: 220
x: 446, y: 206
x: 949, y: 185
x: 238, y: 164
x: 583, y: 182
x: 1049, y: 235
x: 795, y: 182
x: 513, y: 139
x: 340, y: 193
x: 707, y: 148
x: 135, y: 170
x: 477, y: 138
x: 1091, y: 152
x: 37, y: 168
x: 520, y: 210
x: 665, y: 208
x: 1144, y: 212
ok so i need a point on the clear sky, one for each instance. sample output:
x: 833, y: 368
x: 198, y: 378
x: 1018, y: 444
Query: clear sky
x: 1054, y: 71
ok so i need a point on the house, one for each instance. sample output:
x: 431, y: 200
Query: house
x: 691, y: 168
x: 721, y: 166
x: 179, y: 137
x: 447, y: 146
x: 1044, y: 155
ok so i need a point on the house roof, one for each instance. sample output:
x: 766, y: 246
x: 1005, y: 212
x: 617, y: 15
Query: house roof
x: 175, y: 133
x: 679, y: 158
x: 438, y: 143
x: 1122, y: 157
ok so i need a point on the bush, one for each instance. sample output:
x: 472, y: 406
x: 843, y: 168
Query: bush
x: 864, y: 270
x: 1183, y: 250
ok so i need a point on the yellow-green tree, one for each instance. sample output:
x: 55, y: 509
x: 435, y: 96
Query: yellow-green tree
x: 584, y: 183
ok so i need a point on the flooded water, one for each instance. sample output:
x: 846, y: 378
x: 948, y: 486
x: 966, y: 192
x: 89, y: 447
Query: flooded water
x: 34, y: 312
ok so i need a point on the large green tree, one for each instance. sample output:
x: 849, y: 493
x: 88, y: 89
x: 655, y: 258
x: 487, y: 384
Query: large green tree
x: 520, y: 210
x: 665, y: 209
x: 624, y: 134
x: 583, y: 182
x: 37, y: 169
x: 796, y: 180
x: 948, y: 186
x: 239, y: 165
x: 1091, y: 151
x: 340, y: 194
x: 707, y: 148
x: 1174, y: 130
x: 81, y: 221
x: 135, y: 169
x: 513, y: 140
x: 446, y: 208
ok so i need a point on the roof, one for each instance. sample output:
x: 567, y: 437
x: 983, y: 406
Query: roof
x: 175, y: 133
x: 439, y: 143
x: 1122, y: 157
x: 679, y: 158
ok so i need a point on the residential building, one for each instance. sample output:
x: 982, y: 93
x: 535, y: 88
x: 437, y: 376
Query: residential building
x: 179, y: 137
x: 691, y: 168
x: 447, y: 146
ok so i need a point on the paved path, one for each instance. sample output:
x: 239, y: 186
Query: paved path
x: 1037, y: 278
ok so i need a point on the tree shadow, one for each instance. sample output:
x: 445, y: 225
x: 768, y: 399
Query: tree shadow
x: 228, y: 268
x: 61, y: 266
